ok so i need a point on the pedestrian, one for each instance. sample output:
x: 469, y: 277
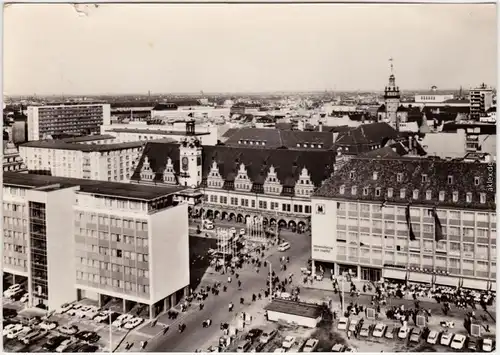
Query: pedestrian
x: 259, y: 296
x: 254, y: 298
x: 242, y: 301
x: 239, y: 284
x: 230, y: 307
x: 237, y: 275
x: 229, y: 279
x: 348, y: 334
x: 284, y: 267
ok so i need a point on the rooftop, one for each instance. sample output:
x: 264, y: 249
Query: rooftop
x: 296, y: 308
x: 155, y: 131
x: 428, y: 177
x: 96, y: 137
x: 63, y: 145
x: 105, y: 188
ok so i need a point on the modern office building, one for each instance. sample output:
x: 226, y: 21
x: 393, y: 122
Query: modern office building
x: 360, y: 221
x: 96, y: 157
x: 75, y: 238
x: 77, y: 119
x: 481, y: 99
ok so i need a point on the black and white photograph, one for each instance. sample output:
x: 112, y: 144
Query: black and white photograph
x: 249, y: 177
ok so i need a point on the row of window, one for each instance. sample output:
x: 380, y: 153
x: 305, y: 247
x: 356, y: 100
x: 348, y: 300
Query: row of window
x: 118, y: 253
x: 114, y: 222
x: 14, y: 235
x: 244, y: 202
x: 114, y: 267
x: 108, y: 281
x: 15, y: 261
x: 16, y: 222
x: 14, y: 207
x: 14, y: 247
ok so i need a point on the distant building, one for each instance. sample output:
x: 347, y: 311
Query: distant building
x: 188, y: 110
x: 12, y: 161
x: 432, y: 97
x: 481, y: 99
x: 77, y: 119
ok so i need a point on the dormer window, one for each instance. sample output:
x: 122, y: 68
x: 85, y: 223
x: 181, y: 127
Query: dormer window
x: 468, y: 197
x: 477, y: 180
x: 441, y: 196
x: 399, y: 177
x: 450, y: 179
x: 455, y: 196
x: 342, y: 189
x: 402, y: 193
x: 390, y: 192
x: 351, y: 174
x: 428, y: 195
x: 424, y: 177
x: 354, y: 190
x: 415, y: 194
x: 365, y: 191
x: 377, y: 191
x: 375, y: 175
x: 482, y: 197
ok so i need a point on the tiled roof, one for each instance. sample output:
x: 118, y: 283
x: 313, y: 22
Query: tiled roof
x: 275, y: 138
x: 155, y: 131
x: 287, y: 163
x: 59, y: 144
x: 359, y: 172
x: 385, y: 152
x: 96, y: 137
x: 367, y: 134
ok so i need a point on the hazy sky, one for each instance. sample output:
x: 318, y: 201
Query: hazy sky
x: 52, y: 49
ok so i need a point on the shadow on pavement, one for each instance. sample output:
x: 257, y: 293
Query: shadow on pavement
x: 198, y: 260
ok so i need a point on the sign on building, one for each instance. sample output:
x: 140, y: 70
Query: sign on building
x: 420, y: 321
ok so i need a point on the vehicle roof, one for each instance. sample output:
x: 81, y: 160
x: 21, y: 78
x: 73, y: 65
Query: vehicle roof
x: 459, y: 336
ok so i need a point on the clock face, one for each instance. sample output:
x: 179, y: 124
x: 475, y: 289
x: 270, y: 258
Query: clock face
x: 184, y: 163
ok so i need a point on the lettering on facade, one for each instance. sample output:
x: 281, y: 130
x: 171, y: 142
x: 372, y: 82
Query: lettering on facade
x: 322, y: 249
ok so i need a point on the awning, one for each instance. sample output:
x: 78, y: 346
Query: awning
x: 475, y: 284
x: 394, y: 274
x: 420, y: 277
x: 493, y: 286
x: 446, y: 281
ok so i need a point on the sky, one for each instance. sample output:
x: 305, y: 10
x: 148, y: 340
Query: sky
x: 120, y: 49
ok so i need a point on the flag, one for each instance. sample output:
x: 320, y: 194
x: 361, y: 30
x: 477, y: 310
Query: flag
x: 408, y: 222
x: 438, y: 230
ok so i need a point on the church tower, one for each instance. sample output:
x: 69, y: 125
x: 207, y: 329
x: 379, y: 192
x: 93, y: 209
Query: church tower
x: 190, y: 160
x: 392, y: 99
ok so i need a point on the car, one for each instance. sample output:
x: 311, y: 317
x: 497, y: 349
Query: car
x: 73, y: 311
x: 73, y: 348
x: 415, y: 335
x: 403, y: 332
x: 338, y: 348
x: 88, y: 348
x: 82, y: 311
x: 284, y: 246
x: 33, y: 320
x: 365, y: 330
x: 350, y: 350
x: 355, y: 324
x: 268, y: 335
x: 25, y: 298
x: 121, y: 320
x: 90, y: 313
x: 446, y: 339
x: 18, y: 332
x: 343, y: 323
x: 389, y: 332
x: 9, y: 313
x: 68, y: 329
x: 297, y: 347
x: 379, y: 330
x: 487, y: 345
x: 106, y: 316
x: 48, y: 325
x: 65, y: 307
x: 242, y: 231
x: 52, y: 343
x: 11, y: 327
x: 243, y: 346
x: 89, y: 336
x: 253, y: 334
x: 288, y: 342
x: 472, y: 345
x: 65, y: 344
x: 11, y: 290
x: 280, y: 350
x: 32, y: 335
x: 310, y: 345
x: 16, y: 296
x: 458, y: 342
x: 134, y: 322
x: 258, y: 348
x: 433, y: 336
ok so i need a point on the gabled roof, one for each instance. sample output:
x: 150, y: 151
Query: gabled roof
x: 370, y: 133
x: 437, y: 171
x: 385, y: 152
x: 288, y: 164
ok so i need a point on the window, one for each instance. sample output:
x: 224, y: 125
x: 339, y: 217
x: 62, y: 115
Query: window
x: 450, y: 179
x: 441, y: 196
x: 375, y: 175
x: 415, y: 194
x: 390, y: 192
x: 455, y: 196
x: 468, y: 197
x: 482, y: 197
x: 377, y: 191
x: 351, y: 174
x: 365, y: 191
x: 402, y: 193
x: 424, y: 177
x: 428, y: 195
x: 399, y: 177
x: 477, y: 180
x: 354, y: 190
x: 342, y: 189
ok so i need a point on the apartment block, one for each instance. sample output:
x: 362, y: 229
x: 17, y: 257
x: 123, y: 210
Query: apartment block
x: 361, y: 220
x: 76, y: 238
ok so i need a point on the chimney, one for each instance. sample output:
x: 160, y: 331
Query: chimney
x: 320, y: 127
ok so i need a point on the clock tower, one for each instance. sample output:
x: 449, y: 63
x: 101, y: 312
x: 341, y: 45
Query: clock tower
x: 190, y: 161
x: 392, y: 100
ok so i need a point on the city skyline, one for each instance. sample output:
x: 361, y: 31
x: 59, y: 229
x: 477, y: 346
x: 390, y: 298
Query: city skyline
x: 48, y: 48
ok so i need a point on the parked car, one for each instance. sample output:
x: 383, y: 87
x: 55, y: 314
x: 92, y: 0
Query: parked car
x: 32, y: 335
x: 403, y: 332
x: 253, y: 334
x: 389, y: 332
x: 268, y: 335
x: 88, y: 335
x: 134, y: 322
x: 472, y: 344
x: 68, y: 329
x: 16, y: 296
x: 9, y: 313
x: 88, y: 348
x: 105, y: 316
x: 33, y: 320
x: 90, y: 313
x: 18, y: 332
x: 48, y: 325
x: 433, y: 336
x: 310, y: 345
x: 25, y: 298
x: 415, y: 335
x: 52, y: 343
x: 488, y: 345
x: 288, y: 342
x: 65, y: 344
x: 280, y: 350
x: 379, y: 330
x: 365, y: 330
x: 343, y: 323
x: 284, y: 246
x: 338, y: 348
x: 458, y: 342
x: 11, y: 290
x: 65, y: 307
x: 243, y: 346
x: 7, y: 329
x: 121, y: 320
x: 446, y: 339
x: 73, y: 311
x: 258, y: 348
